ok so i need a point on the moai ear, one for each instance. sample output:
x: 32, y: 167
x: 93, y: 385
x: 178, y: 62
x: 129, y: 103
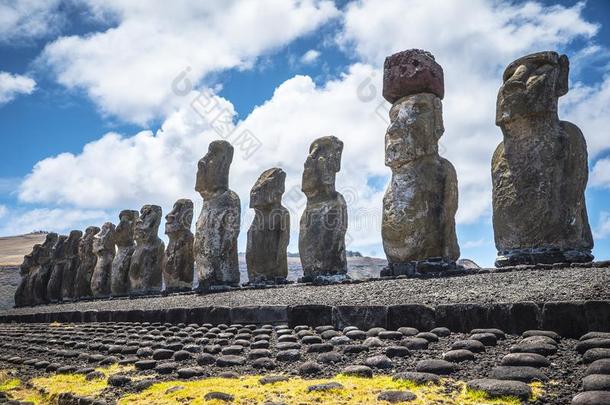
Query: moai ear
x: 439, y: 127
x: 562, y: 79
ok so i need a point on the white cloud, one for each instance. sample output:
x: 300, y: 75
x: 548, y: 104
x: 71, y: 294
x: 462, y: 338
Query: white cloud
x: 128, y: 70
x: 600, y: 174
x: 3, y: 211
x: 53, y: 220
x: 127, y: 171
x: 25, y: 20
x: 311, y: 56
x: 603, y: 227
x: 12, y: 85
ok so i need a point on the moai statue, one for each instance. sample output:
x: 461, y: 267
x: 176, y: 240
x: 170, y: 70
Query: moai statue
x: 71, y: 267
x: 269, y: 234
x: 540, y: 170
x: 179, y: 264
x: 218, y: 224
x: 57, y: 273
x: 43, y: 270
x: 87, y: 261
x: 125, y: 246
x: 103, y: 247
x: 23, y: 295
x: 145, y: 274
x: 324, y: 222
x: 419, y: 206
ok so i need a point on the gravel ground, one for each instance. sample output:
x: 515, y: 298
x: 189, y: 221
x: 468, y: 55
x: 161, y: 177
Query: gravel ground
x: 568, y: 284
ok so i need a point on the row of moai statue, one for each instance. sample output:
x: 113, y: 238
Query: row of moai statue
x: 539, y: 173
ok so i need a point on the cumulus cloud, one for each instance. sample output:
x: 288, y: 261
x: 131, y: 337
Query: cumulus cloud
x: 11, y: 85
x: 26, y: 20
x: 49, y: 219
x: 600, y: 174
x: 3, y: 211
x: 123, y: 170
x: 311, y: 56
x: 128, y: 69
x: 602, y: 231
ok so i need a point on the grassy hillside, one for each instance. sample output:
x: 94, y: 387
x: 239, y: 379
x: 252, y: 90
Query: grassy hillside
x: 13, y: 248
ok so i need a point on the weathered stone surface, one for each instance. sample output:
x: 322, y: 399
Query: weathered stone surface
x: 540, y: 169
x: 417, y: 377
x: 103, y: 247
x: 435, y: 366
x: 179, y: 263
x: 501, y: 388
x: 324, y: 221
x: 145, y: 274
x: 592, y: 398
x: 395, y: 397
x: 411, y: 72
x: 525, y: 359
x: 71, y: 266
x: 57, y: 272
x: 419, y: 206
x: 24, y: 293
x: 269, y: 234
x: 218, y: 224
x: 596, y: 382
x: 87, y: 260
x: 125, y: 246
x: 518, y: 373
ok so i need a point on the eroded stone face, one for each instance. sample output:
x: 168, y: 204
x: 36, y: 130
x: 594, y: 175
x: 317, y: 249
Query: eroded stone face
x: 419, y: 206
x: 145, y: 274
x: 411, y: 72
x: 42, y: 273
x: 71, y: 267
x: 217, y: 228
x: 125, y: 246
x: 178, y: 268
x: 269, y: 234
x: 24, y: 294
x: 324, y: 222
x: 57, y: 272
x: 87, y: 260
x: 103, y: 247
x: 540, y: 170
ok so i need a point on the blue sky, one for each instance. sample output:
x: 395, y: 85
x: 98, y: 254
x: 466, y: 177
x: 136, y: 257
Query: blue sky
x: 90, y: 125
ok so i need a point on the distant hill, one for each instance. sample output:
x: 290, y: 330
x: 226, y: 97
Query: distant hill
x: 13, y: 248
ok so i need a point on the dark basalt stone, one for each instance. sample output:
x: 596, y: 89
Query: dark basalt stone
x: 394, y: 397
x: 501, y: 388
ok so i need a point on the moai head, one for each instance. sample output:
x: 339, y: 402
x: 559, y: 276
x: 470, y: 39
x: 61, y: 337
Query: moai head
x: 46, y: 253
x: 532, y: 85
x: 147, y: 225
x: 268, y: 189
x: 213, y: 169
x: 72, y: 242
x: 124, y: 232
x: 180, y: 218
x: 104, y: 239
x: 30, y: 260
x: 90, y: 232
x: 416, y: 126
x: 321, y: 166
x: 59, y: 250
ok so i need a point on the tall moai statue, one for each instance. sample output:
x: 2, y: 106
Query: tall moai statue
x: 23, y: 294
x: 218, y: 224
x: 44, y: 268
x: 324, y: 222
x: 540, y: 169
x: 179, y: 263
x: 125, y: 246
x: 103, y: 247
x: 269, y: 234
x: 57, y: 273
x: 71, y: 267
x: 419, y: 206
x: 87, y: 261
x: 145, y: 274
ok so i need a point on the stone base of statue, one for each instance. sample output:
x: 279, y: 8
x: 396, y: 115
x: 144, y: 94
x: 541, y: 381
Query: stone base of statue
x: 266, y: 282
x: 433, y: 267
x: 325, y: 279
x: 532, y: 256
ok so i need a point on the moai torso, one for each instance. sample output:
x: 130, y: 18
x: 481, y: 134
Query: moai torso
x: 145, y: 274
x: 44, y: 269
x: 324, y: 222
x: 419, y: 206
x: 103, y: 247
x: 87, y: 260
x: 269, y: 234
x: 540, y: 169
x: 24, y: 293
x: 217, y: 228
x: 125, y: 246
x: 178, y: 267
x: 71, y: 267
x: 57, y: 273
